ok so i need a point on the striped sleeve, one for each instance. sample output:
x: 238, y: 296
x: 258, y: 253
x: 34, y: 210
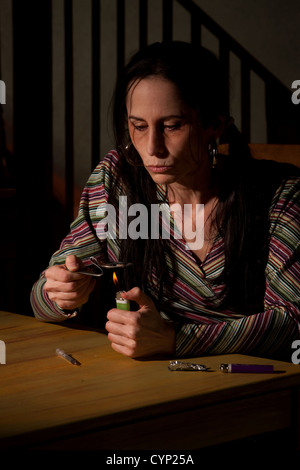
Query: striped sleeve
x: 272, y: 331
x: 82, y: 239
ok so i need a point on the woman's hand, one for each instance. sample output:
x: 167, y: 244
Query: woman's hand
x: 142, y: 333
x: 66, y: 288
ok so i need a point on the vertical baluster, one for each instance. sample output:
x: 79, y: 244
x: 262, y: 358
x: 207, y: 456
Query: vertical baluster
x: 196, y: 29
x: 96, y: 82
x: 245, y: 99
x: 224, y: 59
x: 120, y: 35
x: 69, y: 108
x: 32, y: 110
x: 167, y: 20
x: 143, y: 23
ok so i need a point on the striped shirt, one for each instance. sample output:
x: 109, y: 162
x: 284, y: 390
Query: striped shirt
x: 200, y: 328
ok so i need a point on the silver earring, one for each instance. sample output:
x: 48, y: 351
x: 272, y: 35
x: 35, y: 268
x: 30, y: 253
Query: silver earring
x: 213, y: 153
x: 131, y: 156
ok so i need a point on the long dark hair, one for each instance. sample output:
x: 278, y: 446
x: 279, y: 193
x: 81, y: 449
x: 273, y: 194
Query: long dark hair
x: 241, y: 215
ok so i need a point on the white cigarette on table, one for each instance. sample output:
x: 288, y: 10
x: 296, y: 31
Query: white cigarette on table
x: 62, y: 353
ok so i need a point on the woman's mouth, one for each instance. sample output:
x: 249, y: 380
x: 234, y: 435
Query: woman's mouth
x: 159, y: 168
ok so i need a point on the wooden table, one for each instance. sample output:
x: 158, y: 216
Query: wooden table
x: 113, y: 402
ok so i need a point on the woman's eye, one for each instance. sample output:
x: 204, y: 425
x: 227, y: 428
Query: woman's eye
x: 163, y: 127
x: 172, y: 127
x: 139, y: 127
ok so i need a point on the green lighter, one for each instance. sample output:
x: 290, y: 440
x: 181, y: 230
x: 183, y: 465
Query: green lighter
x: 121, y: 303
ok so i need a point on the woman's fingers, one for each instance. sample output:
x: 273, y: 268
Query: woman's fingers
x: 139, y: 333
x: 65, y: 287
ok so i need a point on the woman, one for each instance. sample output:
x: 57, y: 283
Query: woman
x: 238, y: 291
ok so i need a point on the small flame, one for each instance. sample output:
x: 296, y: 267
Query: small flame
x: 115, y: 279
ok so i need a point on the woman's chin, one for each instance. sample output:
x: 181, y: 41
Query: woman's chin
x: 160, y: 178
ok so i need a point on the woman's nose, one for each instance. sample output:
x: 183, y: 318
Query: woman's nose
x: 155, y: 142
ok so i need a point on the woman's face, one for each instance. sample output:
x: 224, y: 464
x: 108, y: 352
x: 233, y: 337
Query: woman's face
x: 166, y: 133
